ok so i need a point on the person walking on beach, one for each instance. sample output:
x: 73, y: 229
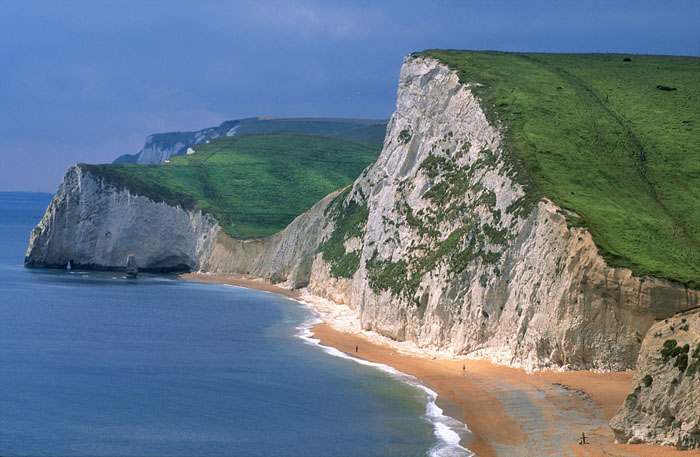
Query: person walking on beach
x: 356, y: 348
x: 464, y: 368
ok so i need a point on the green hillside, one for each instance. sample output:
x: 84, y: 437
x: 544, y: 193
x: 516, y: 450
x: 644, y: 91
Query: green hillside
x: 614, y: 138
x: 357, y: 130
x: 254, y: 185
x: 369, y: 131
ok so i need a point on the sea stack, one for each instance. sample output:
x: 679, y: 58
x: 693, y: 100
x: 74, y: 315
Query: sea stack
x: 132, y: 268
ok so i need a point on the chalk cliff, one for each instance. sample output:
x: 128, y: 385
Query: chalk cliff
x: 447, y: 248
x: 454, y: 255
x: 438, y: 242
x: 160, y: 147
x: 92, y: 224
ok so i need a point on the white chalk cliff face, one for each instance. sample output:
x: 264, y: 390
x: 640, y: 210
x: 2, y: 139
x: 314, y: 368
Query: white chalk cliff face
x: 159, y: 148
x: 449, y: 252
x: 438, y: 242
x: 454, y: 256
x: 93, y: 224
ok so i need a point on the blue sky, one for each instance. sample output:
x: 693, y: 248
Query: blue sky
x: 86, y: 81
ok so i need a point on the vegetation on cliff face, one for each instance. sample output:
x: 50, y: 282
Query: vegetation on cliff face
x: 457, y: 199
x: 253, y: 185
x: 597, y: 135
x: 349, y: 219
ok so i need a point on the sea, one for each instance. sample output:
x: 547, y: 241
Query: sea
x: 95, y: 364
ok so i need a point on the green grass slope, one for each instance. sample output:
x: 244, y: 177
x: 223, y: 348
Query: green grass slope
x: 254, y: 185
x: 369, y: 131
x: 358, y: 130
x: 615, y: 140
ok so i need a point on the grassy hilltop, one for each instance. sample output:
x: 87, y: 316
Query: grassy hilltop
x: 614, y: 138
x: 254, y: 185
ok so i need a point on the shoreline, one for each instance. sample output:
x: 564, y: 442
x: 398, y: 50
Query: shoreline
x: 509, y: 412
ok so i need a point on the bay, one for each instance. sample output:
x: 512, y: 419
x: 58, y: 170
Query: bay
x: 95, y: 364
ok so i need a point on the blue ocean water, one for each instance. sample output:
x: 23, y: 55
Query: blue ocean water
x: 95, y: 364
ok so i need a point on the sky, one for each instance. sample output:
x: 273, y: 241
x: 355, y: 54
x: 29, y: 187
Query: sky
x: 87, y: 81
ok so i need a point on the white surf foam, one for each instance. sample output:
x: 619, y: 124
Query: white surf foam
x: 447, y: 430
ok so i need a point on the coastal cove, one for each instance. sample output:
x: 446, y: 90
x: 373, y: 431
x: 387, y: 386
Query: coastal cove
x: 508, y: 411
x: 522, y: 255
x: 492, y: 400
x: 305, y: 228
x: 96, y: 364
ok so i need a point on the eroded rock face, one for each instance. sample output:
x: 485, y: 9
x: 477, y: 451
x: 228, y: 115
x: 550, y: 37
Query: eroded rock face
x: 94, y: 225
x: 453, y: 255
x: 285, y: 257
x: 664, y: 407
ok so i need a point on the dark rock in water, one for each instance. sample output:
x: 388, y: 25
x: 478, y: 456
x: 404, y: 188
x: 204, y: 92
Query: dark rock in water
x: 132, y: 268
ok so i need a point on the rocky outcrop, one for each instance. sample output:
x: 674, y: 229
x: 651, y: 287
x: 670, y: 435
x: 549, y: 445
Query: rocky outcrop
x: 664, y: 407
x: 132, y: 268
x: 92, y: 224
x: 453, y: 253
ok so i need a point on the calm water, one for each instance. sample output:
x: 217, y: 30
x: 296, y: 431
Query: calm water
x: 94, y: 364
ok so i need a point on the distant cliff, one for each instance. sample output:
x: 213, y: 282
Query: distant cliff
x: 162, y: 146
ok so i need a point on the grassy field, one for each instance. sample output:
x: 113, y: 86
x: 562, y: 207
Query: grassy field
x: 254, y: 185
x: 616, y: 140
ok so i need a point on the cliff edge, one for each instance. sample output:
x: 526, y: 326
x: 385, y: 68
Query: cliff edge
x: 440, y: 242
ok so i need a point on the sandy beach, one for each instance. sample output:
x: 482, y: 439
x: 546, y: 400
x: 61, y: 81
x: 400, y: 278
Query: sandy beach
x: 250, y: 282
x: 511, y: 413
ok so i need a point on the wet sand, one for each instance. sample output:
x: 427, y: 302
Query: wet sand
x: 250, y: 282
x: 511, y: 413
